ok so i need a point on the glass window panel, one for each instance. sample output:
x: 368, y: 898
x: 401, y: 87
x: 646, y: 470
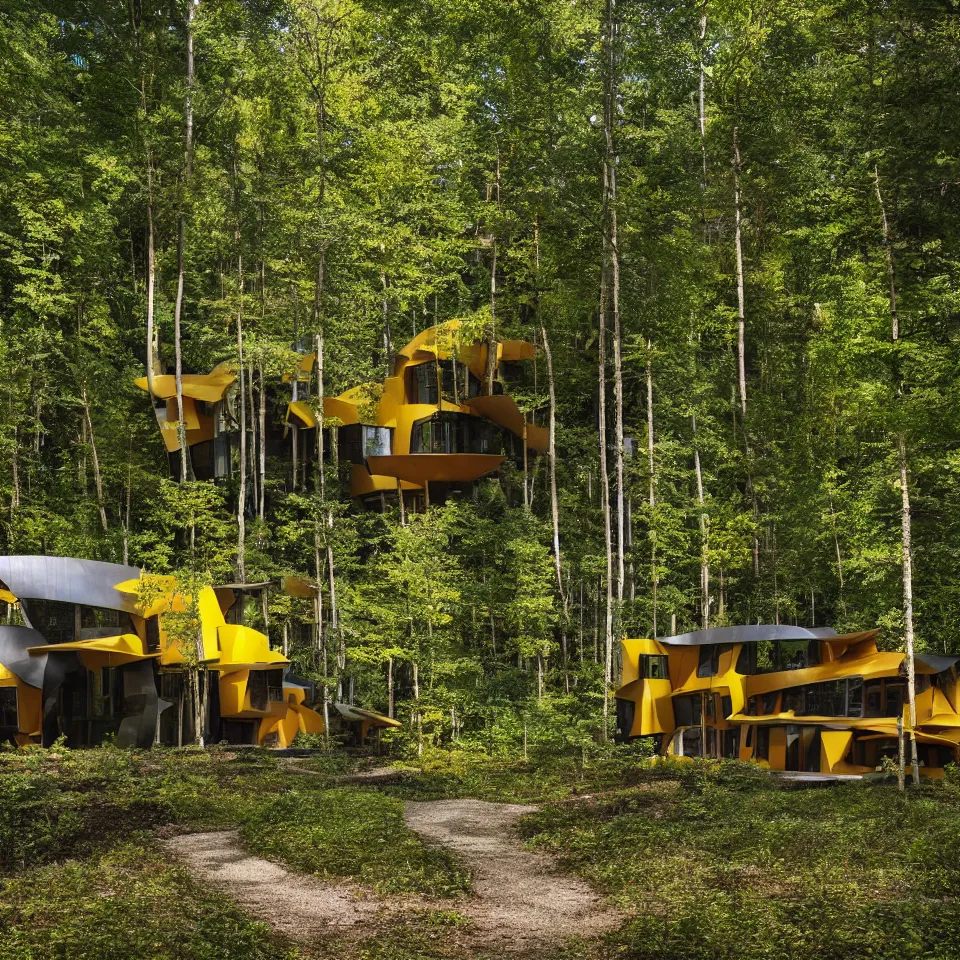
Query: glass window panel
x: 762, y: 751
x: 426, y: 383
x: 770, y: 701
x: 854, y: 697
x: 654, y: 667
x: 873, y: 702
x: 686, y: 711
x: 894, y: 699
x: 793, y: 700
x: 747, y: 660
x: 791, y: 654
x: 377, y: 441
x: 765, y: 656
x: 708, y: 663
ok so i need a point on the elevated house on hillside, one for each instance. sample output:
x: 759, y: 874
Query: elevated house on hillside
x: 442, y: 420
x: 95, y: 659
x: 790, y: 697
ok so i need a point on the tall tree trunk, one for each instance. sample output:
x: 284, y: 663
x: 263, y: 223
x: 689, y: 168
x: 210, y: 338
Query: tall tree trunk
x: 391, y: 708
x: 704, y: 532
x: 97, y: 479
x: 905, y: 515
x: 741, y: 307
x: 613, y: 277
x: 254, y: 472
x: 607, y: 531
x: 151, y: 282
x: 609, y: 300
x: 242, y: 406
x: 185, y: 470
x: 490, y: 334
x: 905, y: 526
x: 263, y: 438
x: 552, y: 461
x: 702, y: 93
x: 129, y: 498
x: 651, y: 492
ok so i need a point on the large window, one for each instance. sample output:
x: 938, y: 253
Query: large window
x: 687, y: 710
x: 455, y: 381
x: 708, y: 664
x: 359, y: 441
x: 454, y: 433
x: 653, y: 667
x: 832, y: 698
x: 773, y: 656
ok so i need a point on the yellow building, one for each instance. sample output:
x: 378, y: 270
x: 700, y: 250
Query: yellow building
x: 433, y: 426
x: 96, y: 658
x: 790, y: 697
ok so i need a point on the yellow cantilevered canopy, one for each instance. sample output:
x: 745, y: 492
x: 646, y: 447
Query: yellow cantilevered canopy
x: 208, y: 387
x: 119, y: 650
x: 301, y: 411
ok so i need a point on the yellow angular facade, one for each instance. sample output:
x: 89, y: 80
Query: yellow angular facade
x: 791, y: 698
x: 434, y: 424
x: 97, y: 658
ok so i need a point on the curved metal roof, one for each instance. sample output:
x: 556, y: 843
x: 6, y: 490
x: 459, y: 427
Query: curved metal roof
x: 751, y: 633
x: 68, y: 580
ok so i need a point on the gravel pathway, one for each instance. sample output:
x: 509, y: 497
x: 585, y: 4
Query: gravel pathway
x: 521, y: 899
x: 519, y: 904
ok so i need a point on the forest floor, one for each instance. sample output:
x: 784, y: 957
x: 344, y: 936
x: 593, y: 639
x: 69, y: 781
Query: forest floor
x: 518, y: 901
x: 175, y: 855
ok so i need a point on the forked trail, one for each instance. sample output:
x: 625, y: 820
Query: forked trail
x: 519, y: 903
x: 521, y: 900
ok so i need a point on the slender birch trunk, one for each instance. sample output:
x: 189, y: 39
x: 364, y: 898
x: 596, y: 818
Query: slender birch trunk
x: 704, y: 532
x: 905, y: 514
x: 607, y: 531
x: 185, y: 470
x: 263, y: 438
x: 242, y: 406
x: 613, y: 293
x: 741, y: 303
x: 97, y: 478
x: 651, y: 492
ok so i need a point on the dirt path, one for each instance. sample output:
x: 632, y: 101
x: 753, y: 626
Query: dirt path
x: 520, y: 903
x: 521, y: 899
x: 300, y: 906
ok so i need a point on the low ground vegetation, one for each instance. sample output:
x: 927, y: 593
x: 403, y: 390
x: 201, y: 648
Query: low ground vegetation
x: 706, y: 860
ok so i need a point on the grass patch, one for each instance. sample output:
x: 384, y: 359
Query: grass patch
x: 352, y: 833
x: 128, y: 902
x: 721, y: 865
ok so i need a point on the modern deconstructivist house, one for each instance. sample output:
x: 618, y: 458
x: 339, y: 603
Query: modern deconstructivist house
x: 442, y: 420
x: 790, y: 697
x: 97, y: 657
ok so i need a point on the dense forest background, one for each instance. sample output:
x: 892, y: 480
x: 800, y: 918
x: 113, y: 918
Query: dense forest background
x: 734, y: 223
